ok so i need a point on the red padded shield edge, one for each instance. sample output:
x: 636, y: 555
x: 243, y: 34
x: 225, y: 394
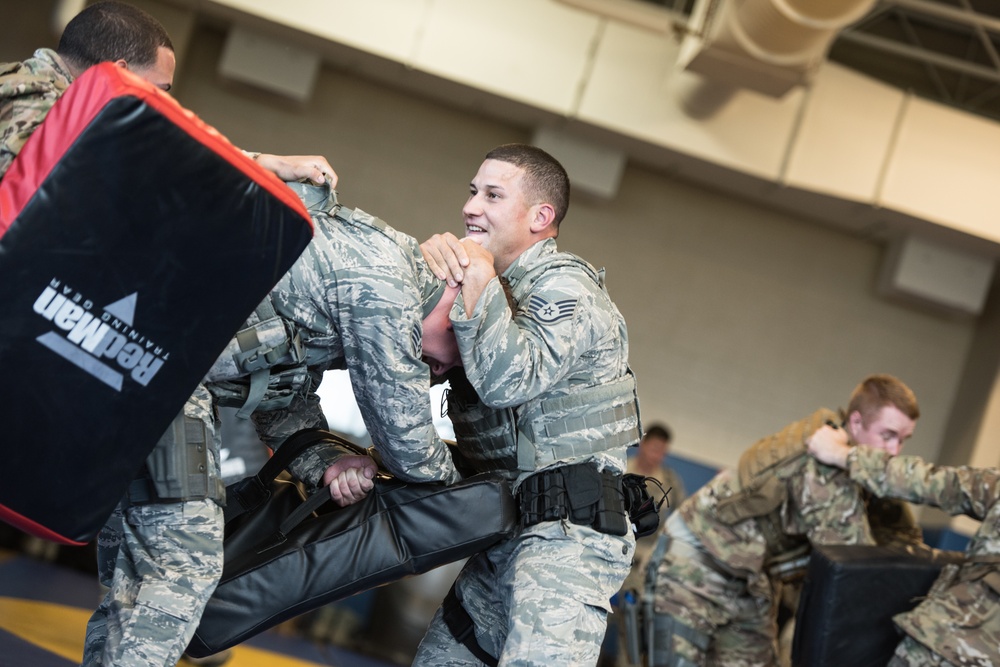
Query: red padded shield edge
x: 83, y: 102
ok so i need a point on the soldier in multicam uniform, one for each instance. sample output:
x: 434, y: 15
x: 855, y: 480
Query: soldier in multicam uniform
x: 728, y: 545
x: 547, y: 400
x: 160, y: 559
x: 958, y: 623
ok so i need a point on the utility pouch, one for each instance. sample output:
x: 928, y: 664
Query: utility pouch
x: 177, y: 469
x: 579, y: 493
x: 612, y: 517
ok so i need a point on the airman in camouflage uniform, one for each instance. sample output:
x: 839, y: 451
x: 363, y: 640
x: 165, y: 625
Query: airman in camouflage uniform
x: 544, y: 348
x: 360, y: 298
x: 732, y: 541
x: 161, y: 560
x: 958, y: 623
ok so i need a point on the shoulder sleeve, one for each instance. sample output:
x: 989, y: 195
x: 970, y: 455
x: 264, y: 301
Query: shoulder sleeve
x: 829, y: 505
x: 956, y: 490
x: 513, y: 356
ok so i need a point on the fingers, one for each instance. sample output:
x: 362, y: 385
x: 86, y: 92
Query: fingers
x: 315, y: 168
x: 446, y: 257
x: 322, y: 172
x: 350, y: 479
x: 349, y: 487
x: 828, y: 444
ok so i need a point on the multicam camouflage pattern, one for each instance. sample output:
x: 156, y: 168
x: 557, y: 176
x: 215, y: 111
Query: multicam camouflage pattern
x: 27, y: 91
x: 161, y: 563
x: 821, y: 504
x: 355, y: 296
x: 736, y: 615
x: 892, y: 522
x: 714, y: 577
x: 960, y: 618
x: 542, y: 597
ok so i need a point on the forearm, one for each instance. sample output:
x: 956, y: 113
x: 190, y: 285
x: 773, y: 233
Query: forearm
x: 958, y: 490
x: 275, y: 426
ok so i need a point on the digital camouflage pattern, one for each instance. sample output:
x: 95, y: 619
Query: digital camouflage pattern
x: 542, y: 597
x: 565, y: 337
x: 355, y: 297
x: 960, y: 618
x: 27, y: 91
x: 161, y: 562
x: 714, y: 576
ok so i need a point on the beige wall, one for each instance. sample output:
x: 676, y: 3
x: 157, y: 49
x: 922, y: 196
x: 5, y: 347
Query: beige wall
x: 741, y: 318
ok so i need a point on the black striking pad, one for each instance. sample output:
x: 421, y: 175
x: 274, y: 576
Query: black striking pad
x: 849, y: 597
x: 134, y: 241
x: 283, y: 560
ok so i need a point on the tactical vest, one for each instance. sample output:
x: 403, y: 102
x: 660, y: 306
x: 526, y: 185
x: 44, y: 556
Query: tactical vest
x: 588, y: 421
x: 762, y: 474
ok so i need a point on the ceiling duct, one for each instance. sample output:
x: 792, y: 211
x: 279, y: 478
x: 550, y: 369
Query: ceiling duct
x: 765, y: 45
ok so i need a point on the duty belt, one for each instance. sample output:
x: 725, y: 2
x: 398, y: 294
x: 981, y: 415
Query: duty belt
x: 579, y: 493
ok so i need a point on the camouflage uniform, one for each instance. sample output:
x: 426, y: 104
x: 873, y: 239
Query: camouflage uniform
x: 355, y: 298
x: 151, y: 610
x: 541, y: 597
x: 713, y: 581
x: 27, y: 91
x: 161, y: 562
x: 958, y: 623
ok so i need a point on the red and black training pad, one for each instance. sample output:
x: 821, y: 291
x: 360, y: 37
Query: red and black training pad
x: 134, y: 242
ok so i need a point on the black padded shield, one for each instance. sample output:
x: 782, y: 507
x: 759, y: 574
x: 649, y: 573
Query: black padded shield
x: 397, y: 530
x: 849, y: 597
x: 137, y: 241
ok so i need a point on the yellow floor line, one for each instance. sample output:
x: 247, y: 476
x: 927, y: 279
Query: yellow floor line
x: 60, y: 629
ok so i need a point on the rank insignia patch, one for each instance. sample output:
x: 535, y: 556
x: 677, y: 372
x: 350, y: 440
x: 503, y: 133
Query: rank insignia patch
x: 549, y: 312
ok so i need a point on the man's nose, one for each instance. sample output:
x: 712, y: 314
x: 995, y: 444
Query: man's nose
x: 472, y: 207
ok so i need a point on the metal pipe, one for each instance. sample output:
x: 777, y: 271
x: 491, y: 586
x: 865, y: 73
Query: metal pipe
x: 948, y: 12
x: 922, y: 55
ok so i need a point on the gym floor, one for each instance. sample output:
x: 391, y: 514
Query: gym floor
x: 45, y: 605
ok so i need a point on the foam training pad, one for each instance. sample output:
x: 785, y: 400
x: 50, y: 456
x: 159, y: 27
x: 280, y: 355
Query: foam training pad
x: 849, y: 597
x: 135, y: 241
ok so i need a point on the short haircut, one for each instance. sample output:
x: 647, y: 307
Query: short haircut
x: 545, y: 179
x: 876, y: 392
x: 108, y: 31
x: 661, y: 431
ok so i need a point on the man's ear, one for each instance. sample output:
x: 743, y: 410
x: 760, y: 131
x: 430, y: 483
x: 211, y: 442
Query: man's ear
x: 543, y: 219
x: 121, y: 63
x: 854, y: 423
